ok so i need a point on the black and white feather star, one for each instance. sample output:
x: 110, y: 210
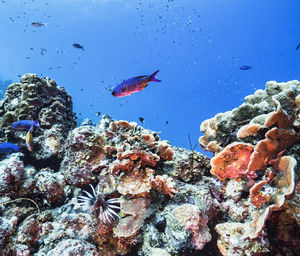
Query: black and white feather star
x: 96, y: 202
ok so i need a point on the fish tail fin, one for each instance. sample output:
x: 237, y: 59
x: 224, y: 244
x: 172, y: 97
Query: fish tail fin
x: 152, y: 77
x: 36, y: 123
x: 82, y: 47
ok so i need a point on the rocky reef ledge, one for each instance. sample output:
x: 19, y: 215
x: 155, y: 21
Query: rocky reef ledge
x: 118, y: 189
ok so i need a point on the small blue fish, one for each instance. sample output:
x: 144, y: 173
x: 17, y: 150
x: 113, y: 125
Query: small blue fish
x: 78, y: 46
x: 25, y: 125
x: 246, y: 67
x: 134, y: 84
x: 7, y: 147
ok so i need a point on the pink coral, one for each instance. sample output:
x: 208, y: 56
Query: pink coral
x: 276, y: 140
x: 137, y: 182
x: 129, y: 226
x: 283, y: 186
x: 145, y: 158
x: 248, y: 130
x: 165, y: 151
x: 278, y: 117
x: 164, y: 184
x: 194, y: 221
x: 232, y: 162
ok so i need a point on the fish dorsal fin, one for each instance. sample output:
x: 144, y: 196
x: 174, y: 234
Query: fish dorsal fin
x: 123, y: 86
x: 140, y: 76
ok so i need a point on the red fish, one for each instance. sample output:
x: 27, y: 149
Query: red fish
x: 134, y: 84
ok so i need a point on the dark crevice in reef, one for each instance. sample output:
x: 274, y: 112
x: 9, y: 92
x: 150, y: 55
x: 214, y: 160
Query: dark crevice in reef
x: 52, y: 162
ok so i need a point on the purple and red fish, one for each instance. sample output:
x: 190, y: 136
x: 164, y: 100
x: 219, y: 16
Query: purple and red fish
x: 25, y: 125
x: 134, y: 84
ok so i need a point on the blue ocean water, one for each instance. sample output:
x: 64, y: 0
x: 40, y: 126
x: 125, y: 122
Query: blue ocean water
x: 198, y: 46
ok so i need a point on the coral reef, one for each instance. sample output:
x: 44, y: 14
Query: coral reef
x: 38, y: 99
x: 269, y: 122
x: 165, y: 200
x: 124, y: 162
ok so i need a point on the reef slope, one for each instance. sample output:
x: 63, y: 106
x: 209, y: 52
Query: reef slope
x: 143, y: 196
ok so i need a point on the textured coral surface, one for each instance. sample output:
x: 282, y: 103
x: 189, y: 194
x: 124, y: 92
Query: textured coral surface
x: 141, y: 196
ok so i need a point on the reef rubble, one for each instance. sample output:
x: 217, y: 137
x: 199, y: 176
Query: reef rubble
x: 169, y: 200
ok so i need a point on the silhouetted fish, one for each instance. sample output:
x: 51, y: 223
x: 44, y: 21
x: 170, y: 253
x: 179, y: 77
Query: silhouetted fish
x: 246, y: 67
x: 37, y: 24
x: 142, y: 120
x: 134, y: 84
x: 298, y: 46
x: 78, y: 46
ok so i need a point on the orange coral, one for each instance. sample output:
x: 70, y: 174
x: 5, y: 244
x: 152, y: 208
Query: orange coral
x: 209, y: 129
x: 165, y: 151
x: 232, y: 162
x: 283, y: 186
x: 297, y: 101
x: 276, y: 140
x: 257, y: 197
x: 137, y: 182
x: 248, y: 130
x: 125, y: 165
x: 214, y: 147
x: 149, y: 139
x: 164, y: 184
x: 113, y: 126
x: 146, y: 158
x: 286, y: 183
x: 278, y: 117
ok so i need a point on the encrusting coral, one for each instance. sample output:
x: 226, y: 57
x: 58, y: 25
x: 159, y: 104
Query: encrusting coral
x: 232, y: 162
x: 164, y: 200
x: 48, y: 205
x: 38, y: 99
x: 268, y: 172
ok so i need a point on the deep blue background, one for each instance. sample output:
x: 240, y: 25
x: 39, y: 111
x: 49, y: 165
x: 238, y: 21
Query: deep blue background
x: 197, y: 45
